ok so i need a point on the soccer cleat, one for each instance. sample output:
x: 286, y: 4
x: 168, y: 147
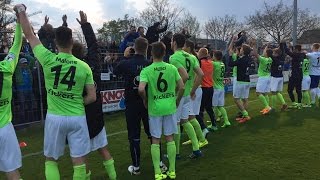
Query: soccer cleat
x: 244, y: 119
x: 226, y: 124
x: 299, y: 106
x: 205, y: 132
x: 266, y: 111
x: 171, y: 175
x: 306, y: 106
x: 219, y: 118
x: 212, y: 128
x: 262, y: 110
x: 134, y: 170
x: 160, y: 176
x: 163, y: 168
x: 293, y: 106
x: 195, y: 154
x: 204, y: 143
x: 187, y: 142
x: 284, y: 107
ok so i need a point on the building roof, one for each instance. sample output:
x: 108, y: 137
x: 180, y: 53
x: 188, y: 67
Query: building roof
x: 310, y: 37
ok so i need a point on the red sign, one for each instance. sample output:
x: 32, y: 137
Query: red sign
x: 112, y: 96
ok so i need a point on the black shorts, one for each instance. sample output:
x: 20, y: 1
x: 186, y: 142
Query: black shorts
x: 94, y: 115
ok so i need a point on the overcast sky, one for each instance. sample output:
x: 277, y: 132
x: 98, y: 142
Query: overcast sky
x: 99, y: 11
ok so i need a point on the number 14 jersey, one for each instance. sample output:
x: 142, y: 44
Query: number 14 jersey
x: 65, y: 80
x: 161, y: 78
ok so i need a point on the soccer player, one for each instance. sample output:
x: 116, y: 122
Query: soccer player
x: 94, y: 113
x: 244, y: 63
x: 10, y: 154
x: 314, y: 58
x: 295, y: 80
x: 264, y: 77
x: 276, y: 84
x: 135, y: 110
x: 191, y: 74
x: 218, y: 92
x: 207, y: 88
x: 66, y: 78
x: 306, y: 82
x: 165, y: 89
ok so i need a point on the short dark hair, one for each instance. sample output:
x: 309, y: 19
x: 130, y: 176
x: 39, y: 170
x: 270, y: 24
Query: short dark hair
x: 246, y: 49
x: 180, y: 39
x: 78, y: 50
x: 140, y: 28
x: 141, y: 45
x: 297, y: 47
x: 269, y: 52
x: 63, y: 37
x: 158, y: 50
x: 316, y: 46
x: 218, y: 54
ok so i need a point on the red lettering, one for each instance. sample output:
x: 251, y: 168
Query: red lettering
x: 112, y: 96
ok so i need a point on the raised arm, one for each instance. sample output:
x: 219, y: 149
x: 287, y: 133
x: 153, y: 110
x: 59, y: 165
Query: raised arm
x: 20, y: 9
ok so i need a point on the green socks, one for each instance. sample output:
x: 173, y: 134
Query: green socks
x: 52, y: 170
x: 109, y: 166
x: 245, y: 113
x: 224, y: 115
x: 281, y: 98
x: 267, y: 98
x: 192, y: 135
x: 79, y: 172
x: 176, y: 138
x: 88, y: 175
x: 273, y: 101
x: 197, y: 129
x: 171, y: 150
x: 217, y: 112
x: 306, y: 98
x: 264, y: 100
x: 155, y: 154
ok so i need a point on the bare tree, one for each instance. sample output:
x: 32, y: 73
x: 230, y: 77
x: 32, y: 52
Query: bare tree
x: 220, y: 28
x: 276, y: 21
x: 79, y: 36
x: 190, y: 23
x: 6, y: 17
x: 161, y: 8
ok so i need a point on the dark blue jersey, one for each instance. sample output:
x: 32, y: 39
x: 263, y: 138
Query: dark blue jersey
x: 277, y: 66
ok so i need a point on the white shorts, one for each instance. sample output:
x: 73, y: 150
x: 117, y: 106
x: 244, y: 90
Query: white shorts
x: 218, y: 98
x: 99, y: 141
x: 10, y: 153
x: 263, y: 85
x: 196, y: 103
x: 242, y: 91
x: 306, y: 82
x: 276, y: 84
x: 58, y: 129
x: 183, y: 109
x: 166, y: 123
x: 234, y: 85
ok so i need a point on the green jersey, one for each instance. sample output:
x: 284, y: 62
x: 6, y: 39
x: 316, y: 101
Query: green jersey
x: 264, y: 66
x: 7, y: 68
x: 182, y: 59
x: 234, y: 58
x: 218, y: 74
x: 306, y: 67
x: 65, y: 80
x: 161, y: 78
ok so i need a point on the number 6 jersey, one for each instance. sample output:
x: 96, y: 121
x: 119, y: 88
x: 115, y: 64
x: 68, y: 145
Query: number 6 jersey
x: 65, y: 80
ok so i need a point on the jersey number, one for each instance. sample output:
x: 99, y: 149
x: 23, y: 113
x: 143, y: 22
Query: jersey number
x: 160, y: 82
x: 222, y: 71
x: 306, y: 66
x: 1, y: 83
x: 188, y: 65
x: 268, y: 68
x: 71, y: 72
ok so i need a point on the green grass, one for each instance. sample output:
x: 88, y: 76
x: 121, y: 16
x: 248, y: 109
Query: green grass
x: 283, y: 145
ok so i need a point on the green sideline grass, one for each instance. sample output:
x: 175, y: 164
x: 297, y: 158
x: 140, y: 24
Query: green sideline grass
x: 282, y: 145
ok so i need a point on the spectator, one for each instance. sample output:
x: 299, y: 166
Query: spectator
x: 242, y: 38
x: 129, y: 39
x: 26, y: 48
x: 185, y: 32
x: 141, y: 31
x: 113, y: 48
x: 46, y: 35
x: 23, y: 85
x: 167, y: 41
x: 153, y: 33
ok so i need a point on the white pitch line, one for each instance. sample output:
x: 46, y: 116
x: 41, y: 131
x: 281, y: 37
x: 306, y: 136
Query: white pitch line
x: 117, y: 133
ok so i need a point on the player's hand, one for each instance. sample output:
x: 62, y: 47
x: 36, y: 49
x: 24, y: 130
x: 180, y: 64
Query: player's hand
x: 46, y: 20
x: 64, y: 18
x: 83, y: 18
x: 19, y: 7
x: 193, y: 95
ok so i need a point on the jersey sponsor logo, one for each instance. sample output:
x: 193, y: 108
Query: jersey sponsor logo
x: 159, y: 68
x: 164, y: 96
x: 60, y: 94
x: 112, y: 96
x: 65, y: 61
x: 4, y: 102
x: 10, y: 57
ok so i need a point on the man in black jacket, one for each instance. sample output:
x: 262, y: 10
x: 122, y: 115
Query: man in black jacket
x: 167, y: 41
x: 153, y: 33
x: 94, y: 114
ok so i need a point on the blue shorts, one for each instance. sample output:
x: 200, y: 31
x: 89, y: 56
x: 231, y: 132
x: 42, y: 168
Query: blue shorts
x: 314, y: 81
